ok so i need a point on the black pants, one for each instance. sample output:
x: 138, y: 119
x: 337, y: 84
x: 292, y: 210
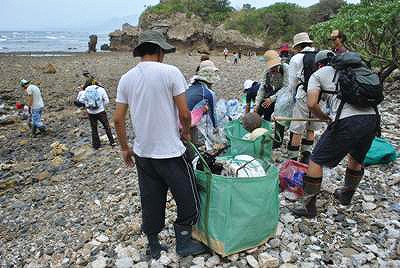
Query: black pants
x: 156, y: 176
x: 102, y: 117
x: 266, y: 113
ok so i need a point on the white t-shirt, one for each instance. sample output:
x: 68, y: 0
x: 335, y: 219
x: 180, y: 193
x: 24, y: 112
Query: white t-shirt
x: 103, y: 95
x: 322, y: 79
x: 37, y: 101
x: 149, y: 89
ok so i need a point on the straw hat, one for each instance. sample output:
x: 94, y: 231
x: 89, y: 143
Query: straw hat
x: 301, y: 38
x: 272, y: 58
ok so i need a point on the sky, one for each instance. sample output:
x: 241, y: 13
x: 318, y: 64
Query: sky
x: 81, y: 14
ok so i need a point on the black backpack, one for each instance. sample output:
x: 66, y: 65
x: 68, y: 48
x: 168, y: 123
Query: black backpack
x: 356, y: 84
x: 309, y: 67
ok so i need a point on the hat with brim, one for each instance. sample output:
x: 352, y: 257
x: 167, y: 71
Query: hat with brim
x: 24, y: 82
x: 301, y: 38
x: 153, y: 37
x: 208, y: 74
x: 271, y: 63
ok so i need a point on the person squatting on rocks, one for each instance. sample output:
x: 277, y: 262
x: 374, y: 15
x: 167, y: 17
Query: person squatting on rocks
x: 338, y: 39
x: 301, y: 67
x: 95, y: 98
x: 158, y: 150
x: 36, y: 105
x: 351, y: 134
x: 251, y: 88
x: 273, y: 79
x: 200, y: 91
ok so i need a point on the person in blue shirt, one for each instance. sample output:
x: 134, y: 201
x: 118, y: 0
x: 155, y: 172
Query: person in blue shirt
x: 200, y: 88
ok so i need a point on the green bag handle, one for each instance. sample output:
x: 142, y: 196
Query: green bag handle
x: 208, y: 189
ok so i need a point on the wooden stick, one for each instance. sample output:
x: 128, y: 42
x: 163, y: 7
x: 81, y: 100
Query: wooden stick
x: 276, y: 118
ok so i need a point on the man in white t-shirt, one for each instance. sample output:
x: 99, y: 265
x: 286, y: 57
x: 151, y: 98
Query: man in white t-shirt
x: 352, y: 135
x: 154, y: 93
x: 95, y: 99
x: 36, y: 105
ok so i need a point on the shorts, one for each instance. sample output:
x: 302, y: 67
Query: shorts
x: 301, y: 110
x: 352, y: 135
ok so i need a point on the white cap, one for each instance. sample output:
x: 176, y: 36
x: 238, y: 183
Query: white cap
x: 247, y: 84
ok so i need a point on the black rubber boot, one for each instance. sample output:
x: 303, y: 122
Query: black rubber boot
x: 278, y: 139
x: 34, y: 131
x: 309, y: 210
x: 155, y: 247
x: 306, y: 148
x: 351, y: 181
x: 312, y: 187
x: 305, y: 157
x: 185, y: 245
x: 293, y: 152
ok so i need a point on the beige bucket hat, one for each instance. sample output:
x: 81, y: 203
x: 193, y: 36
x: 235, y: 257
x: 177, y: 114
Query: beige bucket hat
x: 272, y: 59
x: 301, y: 38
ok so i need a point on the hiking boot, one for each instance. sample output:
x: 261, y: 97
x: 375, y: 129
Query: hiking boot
x: 351, y: 181
x: 154, y: 246
x: 309, y: 210
x: 185, y: 245
x: 305, y: 157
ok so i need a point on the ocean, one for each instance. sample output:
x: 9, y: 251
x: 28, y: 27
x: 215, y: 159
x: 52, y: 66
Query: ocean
x: 47, y: 41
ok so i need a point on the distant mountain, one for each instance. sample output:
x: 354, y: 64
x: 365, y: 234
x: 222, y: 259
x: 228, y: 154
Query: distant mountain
x: 111, y: 24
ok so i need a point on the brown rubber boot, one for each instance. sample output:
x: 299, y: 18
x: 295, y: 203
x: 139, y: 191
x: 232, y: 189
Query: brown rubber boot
x: 351, y: 182
x: 312, y: 187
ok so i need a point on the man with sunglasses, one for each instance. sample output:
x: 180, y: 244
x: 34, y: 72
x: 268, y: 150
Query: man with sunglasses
x: 338, y: 38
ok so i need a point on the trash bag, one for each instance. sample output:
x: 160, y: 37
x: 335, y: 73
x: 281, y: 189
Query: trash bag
x: 291, y: 177
x: 381, y: 152
x: 221, y: 112
x: 210, y: 134
x: 284, y: 105
x: 234, y: 109
x: 260, y: 148
x: 237, y: 214
x: 241, y: 166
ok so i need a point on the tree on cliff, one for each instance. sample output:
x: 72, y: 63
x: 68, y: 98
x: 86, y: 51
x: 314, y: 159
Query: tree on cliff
x: 372, y: 29
x: 212, y: 11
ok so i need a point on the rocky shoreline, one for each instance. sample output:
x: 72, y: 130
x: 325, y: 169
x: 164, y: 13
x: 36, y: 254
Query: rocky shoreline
x: 64, y: 205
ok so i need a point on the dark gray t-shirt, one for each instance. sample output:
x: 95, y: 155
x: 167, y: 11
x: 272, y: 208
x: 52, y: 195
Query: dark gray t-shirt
x: 322, y: 79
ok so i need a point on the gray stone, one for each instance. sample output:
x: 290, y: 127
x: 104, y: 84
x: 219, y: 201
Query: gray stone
x: 267, y: 261
x: 213, y: 261
x: 274, y: 243
x: 125, y: 262
x: 252, y: 261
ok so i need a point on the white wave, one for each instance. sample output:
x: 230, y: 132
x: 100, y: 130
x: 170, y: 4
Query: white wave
x: 51, y: 37
x: 3, y: 39
x: 4, y: 36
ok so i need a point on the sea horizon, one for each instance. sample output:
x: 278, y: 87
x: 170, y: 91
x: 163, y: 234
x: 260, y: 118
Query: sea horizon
x: 13, y: 41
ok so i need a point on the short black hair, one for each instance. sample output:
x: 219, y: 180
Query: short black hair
x: 148, y: 49
x: 304, y: 45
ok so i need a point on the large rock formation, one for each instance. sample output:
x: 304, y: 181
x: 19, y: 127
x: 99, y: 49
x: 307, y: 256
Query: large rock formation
x: 186, y: 33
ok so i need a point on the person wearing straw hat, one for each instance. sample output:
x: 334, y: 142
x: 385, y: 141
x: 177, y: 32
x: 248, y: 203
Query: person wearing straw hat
x: 273, y: 80
x: 299, y: 72
x: 154, y: 93
x: 36, y: 105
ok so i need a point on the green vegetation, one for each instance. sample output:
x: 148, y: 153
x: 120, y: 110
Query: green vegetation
x: 212, y: 11
x: 372, y: 29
